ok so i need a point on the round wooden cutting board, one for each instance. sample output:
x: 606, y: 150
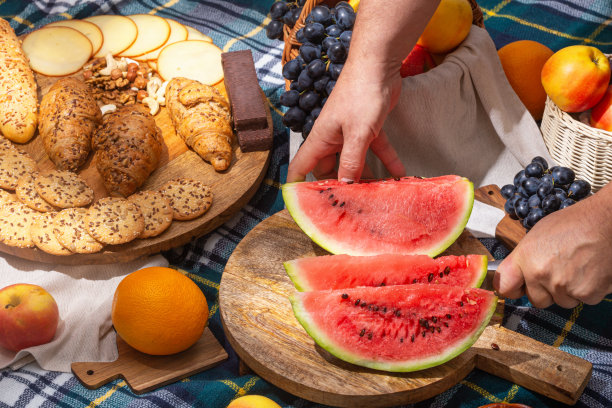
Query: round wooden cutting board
x: 260, y: 326
x: 232, y: 190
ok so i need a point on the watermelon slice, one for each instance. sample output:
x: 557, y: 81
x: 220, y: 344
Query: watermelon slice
x: 395, y: 328
x: 346, y: 271
x: 408, y: 215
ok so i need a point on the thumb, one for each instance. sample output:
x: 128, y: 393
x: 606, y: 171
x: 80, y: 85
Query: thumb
x: 352, y: 157
x: 509, y: 280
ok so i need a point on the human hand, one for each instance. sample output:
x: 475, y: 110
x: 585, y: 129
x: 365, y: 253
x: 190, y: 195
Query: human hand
x: 566, y: 258
x: 350, y: 123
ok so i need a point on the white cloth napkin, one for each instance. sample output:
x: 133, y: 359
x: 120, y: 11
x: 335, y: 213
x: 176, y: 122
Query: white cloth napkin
x: 462, y: 117
x: 84, y: 296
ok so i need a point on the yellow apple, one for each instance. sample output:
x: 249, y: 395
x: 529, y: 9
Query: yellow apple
x: 576, y: 77
x: 28, y: 316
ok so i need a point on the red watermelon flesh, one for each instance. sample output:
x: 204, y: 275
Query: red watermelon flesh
x: 346, y: 271
x: 407, y: 216
x: 395, y: 328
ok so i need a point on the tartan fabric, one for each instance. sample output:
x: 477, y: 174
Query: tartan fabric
x: 584, y: 331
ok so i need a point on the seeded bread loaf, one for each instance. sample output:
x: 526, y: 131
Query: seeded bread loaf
x: 18, y: 103
x: 127, y: 149
x: 202, y: 119
x: 68, y: 117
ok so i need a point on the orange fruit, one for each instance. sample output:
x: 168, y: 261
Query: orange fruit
x: 448, y: 27
x: 159, y: 311
x: 253, y: 401
x: 522, y: 62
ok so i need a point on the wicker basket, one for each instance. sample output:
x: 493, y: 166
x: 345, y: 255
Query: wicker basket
x: 574, y: 144
x: 292, y: 47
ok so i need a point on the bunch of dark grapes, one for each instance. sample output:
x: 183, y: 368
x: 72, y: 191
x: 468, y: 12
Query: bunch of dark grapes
x: 283, y: 12
x: 325, y: 39
x: 538, y: 191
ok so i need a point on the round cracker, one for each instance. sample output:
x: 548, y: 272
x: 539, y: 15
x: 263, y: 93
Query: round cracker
x: 6, y: 145
x: 188, y: 198
x: 15, y: 221
x: 69, y: 229
x: 156, y: 210
x: 113, y: 220
x: 41, y: 232
x: 27, y: 194
x: 63, y: 189
x: 13, y: 165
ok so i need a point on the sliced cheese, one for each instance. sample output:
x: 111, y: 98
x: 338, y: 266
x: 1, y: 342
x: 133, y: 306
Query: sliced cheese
x: 178, y: 32
x: 89, y: 29
x: 119, y: 33
x: 194, y: 59
x: 153, y: 32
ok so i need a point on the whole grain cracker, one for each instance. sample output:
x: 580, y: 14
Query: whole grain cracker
x: 156, y: 210
x: 69, y: 229
x: 27, y: 194
x: 188, y: 198
x: 6, y: 145
x: 113, y: 220
x: 41, y: 232
x: 63, y: 189
x: 14, y: 164
x: 15, y: 221
x: 6, y: 197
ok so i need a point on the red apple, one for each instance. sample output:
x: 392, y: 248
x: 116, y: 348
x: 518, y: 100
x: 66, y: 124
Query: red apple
x: 418, y: 61
x: 28, y: 316
x: 601, y: 114
x: 576, y: 77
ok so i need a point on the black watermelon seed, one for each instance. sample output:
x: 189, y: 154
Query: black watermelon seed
x: 441, y: 274
x: 401, y: 339
x: 445, y: 324
x: 375, y: 308
x: 342, y: 204
x: 494, y: 346
x: 438, y: 329
x: 384, y: 310
x: 350, y: 182
x: 362, y: 333
x: 423, y: 334
x: 363, y: 304
x: 415, y: 280
x: 447, y: 270
x: 396, y: 178
x: 369, y: 307
x: 398, y: 313
x: 335, y: 203
x: 357, y: 302
x: 434, y: 319
x: 370, y: 336
x: 422, y: 322
x: 331, y: 196
x: 432, y: 329
x: 461, y: 304
x: 412, y: 338
x: 382, y: 284
x: 430, y: 277
x: 320, y: 191
x: 448, y: 316
x: 344, y: 296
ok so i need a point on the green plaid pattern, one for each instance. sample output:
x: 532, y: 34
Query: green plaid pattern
x: 584, y: 331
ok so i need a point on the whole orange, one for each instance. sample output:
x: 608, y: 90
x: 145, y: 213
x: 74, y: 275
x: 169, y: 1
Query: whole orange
x: 253, y: 401
x: 448, y: 27
x: 159, y: 311
x: 522, y: 62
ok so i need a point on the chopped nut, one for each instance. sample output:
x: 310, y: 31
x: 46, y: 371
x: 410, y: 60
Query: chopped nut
x: 108, y: 108
x: 124, y: 98
x: 153, y: 85
x: 140, y: 82
x: 121, y: 82
x: 116, y: 73
x: 141, y: 95
x: 131, y: 75
x: 132, y: 66
x: 152, y: 104
x: 110, y: 65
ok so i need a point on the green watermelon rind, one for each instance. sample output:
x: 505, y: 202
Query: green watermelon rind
x: 326, y: 343
x: 294, y: 274
x: 329, y: 245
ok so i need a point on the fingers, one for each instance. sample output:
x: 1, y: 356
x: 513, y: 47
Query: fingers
x: 538, y: 295
x: 564, y: 300
x: 508, y: 279
x: 352, y: 157
x: 310, y: 154
x: 326, y: 168
x: 388, y: 155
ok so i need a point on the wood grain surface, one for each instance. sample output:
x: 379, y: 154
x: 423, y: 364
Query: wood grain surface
x: 508, y: 231
x: 232, y: 190
x: 260, y: 326
x: 144, y: 372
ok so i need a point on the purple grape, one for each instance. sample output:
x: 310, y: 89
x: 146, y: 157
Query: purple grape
x: 278, y: 10
x: 508, y: 191
x: 579, y: 189
x: 290, y: 98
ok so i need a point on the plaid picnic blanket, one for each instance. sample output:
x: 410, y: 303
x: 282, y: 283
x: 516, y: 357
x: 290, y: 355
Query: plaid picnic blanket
x: 584, y: 331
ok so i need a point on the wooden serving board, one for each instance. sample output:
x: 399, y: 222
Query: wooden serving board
x: 508, y: 231
x: 144, y: 372
x: 260, y: 326
x: 232, y: 190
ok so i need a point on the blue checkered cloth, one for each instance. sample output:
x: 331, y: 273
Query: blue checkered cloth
x: 584, y: 331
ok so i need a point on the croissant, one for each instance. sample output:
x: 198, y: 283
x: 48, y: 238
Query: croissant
x: 201, y: 116
x: 68, y: 117
x: 18, y: 102
x: 127, y: 147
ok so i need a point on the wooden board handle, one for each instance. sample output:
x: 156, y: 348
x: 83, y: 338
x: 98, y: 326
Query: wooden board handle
x: 533, y: 365
x: 508, y: 231
x: 490, y: 195
x: 95, y: 375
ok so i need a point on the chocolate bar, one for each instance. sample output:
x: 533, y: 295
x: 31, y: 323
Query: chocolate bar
x: 243, y: 89
x: 255, y: 140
